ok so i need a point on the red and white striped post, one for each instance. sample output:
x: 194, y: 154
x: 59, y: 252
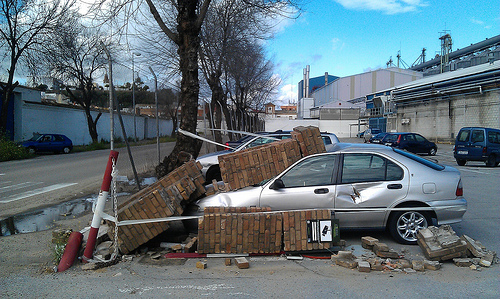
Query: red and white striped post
x: 99, y: 208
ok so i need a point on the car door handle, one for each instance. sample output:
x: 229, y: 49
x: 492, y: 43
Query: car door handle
x: 321, y: 191
x: 394, y: 186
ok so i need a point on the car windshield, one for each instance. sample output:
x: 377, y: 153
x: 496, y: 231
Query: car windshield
x: 35, y: 137
x: 420, y: 160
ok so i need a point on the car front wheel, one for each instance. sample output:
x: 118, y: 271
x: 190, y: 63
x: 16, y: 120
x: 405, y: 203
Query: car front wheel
x: 31, y: 150
x: 432, y: 152
x: 404, y: 226
x: 66, y: 150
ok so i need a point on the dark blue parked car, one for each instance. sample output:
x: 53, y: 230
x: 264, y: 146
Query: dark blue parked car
x: 56, y: 143
x: 477, y: 144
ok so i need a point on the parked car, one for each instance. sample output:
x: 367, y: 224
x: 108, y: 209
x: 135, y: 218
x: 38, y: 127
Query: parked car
x: 56, y: 143
x: 369, y: 133
x: 477, y: 144
x: 236, y: 143
x: 210, y: 162
x: 367, y: 186
x: 378, y: 138
x: 411, y: 142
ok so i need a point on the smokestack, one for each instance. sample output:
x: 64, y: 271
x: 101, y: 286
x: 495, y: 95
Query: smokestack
x: 326, y: 78
x: 307, y: 80
x: 304, y: 86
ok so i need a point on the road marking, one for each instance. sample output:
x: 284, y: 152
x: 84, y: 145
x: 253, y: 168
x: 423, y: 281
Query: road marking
x: 19, y: 186
x: 35, y: 192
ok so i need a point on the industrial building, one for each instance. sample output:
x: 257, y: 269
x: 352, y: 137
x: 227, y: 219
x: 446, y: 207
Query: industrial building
x: 435, y: 98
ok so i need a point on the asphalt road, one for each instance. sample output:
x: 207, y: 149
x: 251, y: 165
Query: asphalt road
x: 49, y: 178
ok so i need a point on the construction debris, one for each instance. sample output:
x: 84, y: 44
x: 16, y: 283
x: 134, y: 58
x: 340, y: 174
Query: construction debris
x: 201, y: 265
x: 476, y: 249
x: 164, y: 198
x: 440, y: 244
x: 239, y: 230
x: 252, y: 166
x: 309, y: 139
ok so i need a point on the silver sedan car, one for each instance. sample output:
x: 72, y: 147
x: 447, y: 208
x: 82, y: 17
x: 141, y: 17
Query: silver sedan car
x: 366, y: 186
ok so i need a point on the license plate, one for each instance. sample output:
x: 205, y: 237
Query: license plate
x: 462, y: 152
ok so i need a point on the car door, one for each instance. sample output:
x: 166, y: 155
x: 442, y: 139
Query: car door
x: 367, y: 184
x: 422, y: 145
x: 476, y: 144
x: 307, y: 185
x: 45, y: 143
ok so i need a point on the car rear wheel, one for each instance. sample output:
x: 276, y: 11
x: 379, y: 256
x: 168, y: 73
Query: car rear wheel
x: 66, y: 150
x: 492, y: 161
x: 404, y: 226
x: 461, y: 162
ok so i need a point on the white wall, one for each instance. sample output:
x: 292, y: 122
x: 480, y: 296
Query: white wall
x: 72, y: 123
x: 341, y: 128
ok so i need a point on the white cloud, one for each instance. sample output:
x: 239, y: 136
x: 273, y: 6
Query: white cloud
x: 337, y: 44
x: 386, y: 6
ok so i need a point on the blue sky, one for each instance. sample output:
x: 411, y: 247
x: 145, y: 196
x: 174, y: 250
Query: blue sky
x: 348, y: 37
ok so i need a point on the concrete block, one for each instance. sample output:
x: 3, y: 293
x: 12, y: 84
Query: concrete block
x: 201, y: 265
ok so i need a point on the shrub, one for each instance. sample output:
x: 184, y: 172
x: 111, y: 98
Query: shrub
x: 9, y: 150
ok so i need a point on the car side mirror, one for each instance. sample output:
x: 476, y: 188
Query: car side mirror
x: 277, y: 184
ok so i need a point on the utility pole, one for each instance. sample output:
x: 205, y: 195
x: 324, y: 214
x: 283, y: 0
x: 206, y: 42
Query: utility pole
x: 157, y: 120
x: 133, y: 93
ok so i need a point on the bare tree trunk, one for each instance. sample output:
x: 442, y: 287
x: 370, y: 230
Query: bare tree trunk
x: 189, y: 42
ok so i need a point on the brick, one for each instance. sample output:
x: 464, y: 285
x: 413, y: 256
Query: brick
x: 228, y: 262
x: 462, y: 262
x: 346, y: 263
x: 242, y: 263
x: 363, y: 266
x: 432, y: 265
x: 379, y: 247
x: 369, y: 242
x: 201, y: 265
x: 388, y: 254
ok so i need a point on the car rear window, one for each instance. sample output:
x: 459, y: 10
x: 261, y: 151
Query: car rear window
x: 420, y: 160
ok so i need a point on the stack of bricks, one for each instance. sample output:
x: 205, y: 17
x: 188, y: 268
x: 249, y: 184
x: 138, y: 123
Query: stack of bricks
x: 309, y: 139
x: 441, y: 243
x: 239, y: 230
x: 295, y: 236
x: 162, y: 199
x: 252, y: 166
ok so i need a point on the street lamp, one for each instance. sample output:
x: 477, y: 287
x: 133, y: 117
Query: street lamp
x: 133, y: 93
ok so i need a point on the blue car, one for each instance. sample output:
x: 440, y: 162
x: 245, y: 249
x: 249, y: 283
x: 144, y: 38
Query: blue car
x: 56, y: 143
